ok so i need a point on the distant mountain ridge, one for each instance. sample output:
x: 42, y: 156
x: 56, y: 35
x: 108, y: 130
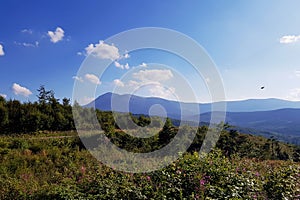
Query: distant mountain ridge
x: 141, y: 105
x: 278, y: 117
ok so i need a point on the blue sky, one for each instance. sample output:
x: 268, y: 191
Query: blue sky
x: 253, y: 44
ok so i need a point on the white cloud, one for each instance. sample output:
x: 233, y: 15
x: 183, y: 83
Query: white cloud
x: 1, y: 50
x: 29, y: 31
x: 126, y: 56
x: 24, y: 44
x: 154, y: 75
x: 148, y: 82
x: 133, y: 84
x: 297, y: 73
x: 103, y: 51
x: 118, y: 83
x: 93, y: 79
x: 20, y: 90
x: 287, y: 39
x: 3, y: 95
x: 56, y: 36
x: 152, y: 89
x: 85, y: 100
x: 126, y: 66
x: 78, y: 78
x: 294, y: 94
x: 118, y: 65
x: 28, y: 44
x: 159, y: 90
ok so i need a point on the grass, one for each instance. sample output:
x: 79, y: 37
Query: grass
x: 53, y: 167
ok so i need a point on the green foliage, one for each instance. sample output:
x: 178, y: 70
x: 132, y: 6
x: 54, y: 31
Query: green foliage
x: 57, y: 168
x: 51, y: 165
x: 46, y: 114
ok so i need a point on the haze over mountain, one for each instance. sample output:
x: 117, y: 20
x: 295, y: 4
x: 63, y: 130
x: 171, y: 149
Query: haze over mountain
x: 269, y: 117
x: 141, y: 105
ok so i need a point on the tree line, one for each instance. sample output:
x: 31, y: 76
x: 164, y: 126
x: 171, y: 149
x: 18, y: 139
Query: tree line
x: 50, y: 114
x: 47, y: 113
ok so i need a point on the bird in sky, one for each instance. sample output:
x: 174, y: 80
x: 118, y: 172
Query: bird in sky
x: 262, y: 87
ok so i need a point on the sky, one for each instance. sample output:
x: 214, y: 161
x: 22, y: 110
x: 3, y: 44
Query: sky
x: 252, y: 44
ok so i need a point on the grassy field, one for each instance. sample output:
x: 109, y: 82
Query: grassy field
x: 57, y: 166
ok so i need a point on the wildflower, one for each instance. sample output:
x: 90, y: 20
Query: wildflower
x: 256, y: 174
x: 83, y: 169
x: 148, y: 178
x: 202, y: 182
x: 25, y: 176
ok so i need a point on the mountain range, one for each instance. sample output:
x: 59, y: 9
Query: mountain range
x: 268, y: 117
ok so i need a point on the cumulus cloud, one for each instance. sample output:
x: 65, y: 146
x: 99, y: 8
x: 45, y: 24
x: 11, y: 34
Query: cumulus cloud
x: 93, y: 79
x: 3, y: 95
x: 1, y: 50
x: 57, y: 35
x: 20, y: 90
x: 159, y: 90
x: 133, y: 84
x: 118, y: 65
x: 78, y: 78
x: 149, y: 82
x: 119, y: 83
x: 155, y: 75
x: 287, y: 39
x: 154, y: 89
x: 103, y: 51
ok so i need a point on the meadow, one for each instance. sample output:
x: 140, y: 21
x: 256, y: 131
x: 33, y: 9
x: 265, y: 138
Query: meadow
x: 42, y: 157
x: 50, y: 166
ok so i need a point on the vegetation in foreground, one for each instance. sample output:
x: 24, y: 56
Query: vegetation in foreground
x: 37, y: 163
x: 34, y: 167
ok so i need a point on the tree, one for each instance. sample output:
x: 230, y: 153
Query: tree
x: 167, y: 133
x: 3, y: 114
x: 44, y: 96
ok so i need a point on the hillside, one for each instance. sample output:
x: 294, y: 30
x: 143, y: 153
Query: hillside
x: 283, y: 124
x: 57, y: 166
x: 266, y: 117
x: 141, y: 105
x: 39, y: 163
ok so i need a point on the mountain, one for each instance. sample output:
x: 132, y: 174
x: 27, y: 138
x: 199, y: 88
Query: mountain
x: 283, y: 124
x: 268, y: 117
x: 281, y: 120
x: 141, y: 105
